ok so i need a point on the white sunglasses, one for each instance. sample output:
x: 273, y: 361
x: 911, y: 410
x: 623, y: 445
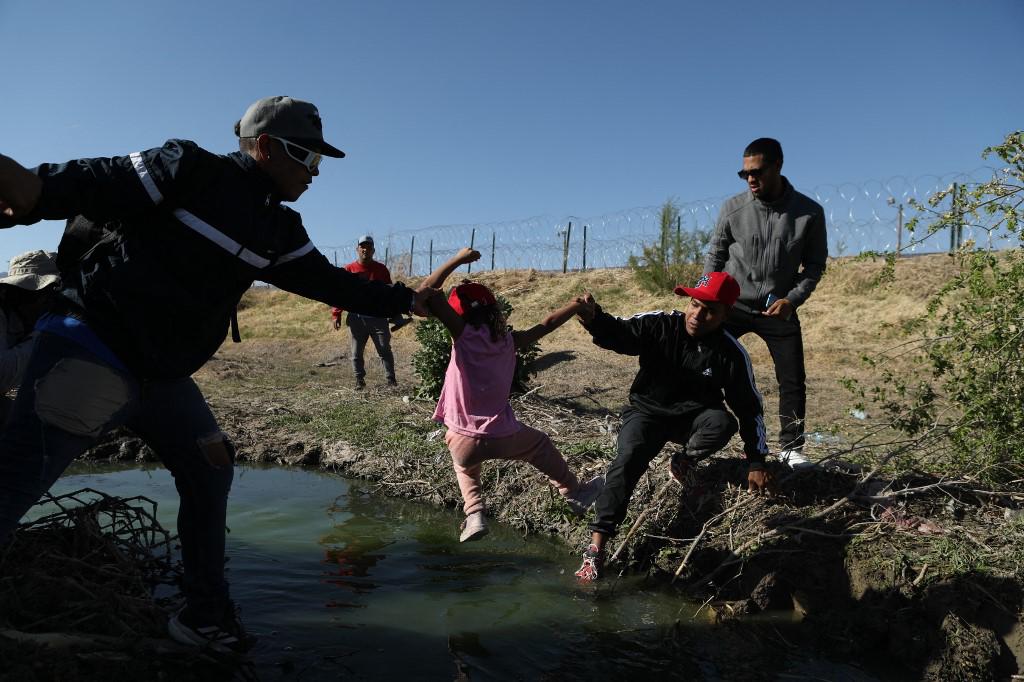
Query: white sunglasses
x: 307, y: 157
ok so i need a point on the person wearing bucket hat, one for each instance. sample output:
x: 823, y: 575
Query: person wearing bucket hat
x: 161, y: 246
x: 25, y: 293
x: 690, y: 370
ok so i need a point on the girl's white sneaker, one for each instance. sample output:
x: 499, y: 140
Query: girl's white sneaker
x: 474, y: 527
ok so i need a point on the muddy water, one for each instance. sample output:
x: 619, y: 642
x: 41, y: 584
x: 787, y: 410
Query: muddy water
x: 341, y: 583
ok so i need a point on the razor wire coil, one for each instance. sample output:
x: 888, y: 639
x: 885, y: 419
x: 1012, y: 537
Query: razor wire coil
x: 860, y: 217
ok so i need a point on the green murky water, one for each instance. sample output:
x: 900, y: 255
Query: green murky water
x: 339, y: 583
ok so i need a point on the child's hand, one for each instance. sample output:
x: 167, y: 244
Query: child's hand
x: 587, y: 307
x: 423, y: 303
x: 467, y: 255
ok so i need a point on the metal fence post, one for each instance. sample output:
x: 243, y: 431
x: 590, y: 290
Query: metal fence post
x: 959, y: 218
x: 492, y: 250
x: 899, y: 230
x: 664, y: 251
x: 472, y: 240
x: 679, y: 239
x: 952, y: 228
x: 565, y: 248
x: 412, y: 250
x: 584, y: 249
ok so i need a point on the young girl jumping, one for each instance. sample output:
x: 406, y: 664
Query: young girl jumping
x: 474, y: 400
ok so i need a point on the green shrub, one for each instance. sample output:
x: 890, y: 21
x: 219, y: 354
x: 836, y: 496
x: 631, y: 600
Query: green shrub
x: 430, y: 361
x: 965, y: 399
x: 677, y: 257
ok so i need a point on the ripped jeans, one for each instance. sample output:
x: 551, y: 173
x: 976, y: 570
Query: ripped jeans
x: 69, y: 398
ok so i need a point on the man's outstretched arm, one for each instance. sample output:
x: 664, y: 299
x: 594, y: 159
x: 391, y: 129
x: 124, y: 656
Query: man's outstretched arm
x: 610, y: 333
x: 114, y: 187
x: 19, y: 190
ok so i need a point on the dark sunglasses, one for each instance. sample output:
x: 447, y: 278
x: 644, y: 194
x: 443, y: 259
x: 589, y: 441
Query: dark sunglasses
x: 752, y: 173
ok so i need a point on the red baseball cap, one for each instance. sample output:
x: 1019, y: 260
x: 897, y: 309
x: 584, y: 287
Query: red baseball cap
x: 713, y: 287
x: 469, y: 295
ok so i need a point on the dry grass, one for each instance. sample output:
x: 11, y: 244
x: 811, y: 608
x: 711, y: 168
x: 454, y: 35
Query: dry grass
x: 847, y: 317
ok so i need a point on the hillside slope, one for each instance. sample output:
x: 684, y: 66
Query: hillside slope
x: 847, y: 317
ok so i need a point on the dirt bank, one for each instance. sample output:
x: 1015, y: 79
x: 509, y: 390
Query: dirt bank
x: 864, y: 584
x: 924, y: 575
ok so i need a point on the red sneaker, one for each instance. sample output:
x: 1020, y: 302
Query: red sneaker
x: 680, y: 467
x: 593, y: 565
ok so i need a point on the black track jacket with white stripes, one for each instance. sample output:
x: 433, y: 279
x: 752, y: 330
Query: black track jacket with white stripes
x: 189, y: 232
x: 680, y: 375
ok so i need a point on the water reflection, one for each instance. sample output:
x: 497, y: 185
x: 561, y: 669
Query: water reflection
x: 351, y: 550
x: 339, y: 582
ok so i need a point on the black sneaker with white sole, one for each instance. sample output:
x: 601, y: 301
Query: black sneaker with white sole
x: 228, y: 636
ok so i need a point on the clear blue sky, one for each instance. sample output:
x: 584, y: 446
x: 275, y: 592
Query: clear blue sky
x: 464, y: 111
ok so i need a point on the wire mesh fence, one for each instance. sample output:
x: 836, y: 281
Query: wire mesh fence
x: 861, y: 217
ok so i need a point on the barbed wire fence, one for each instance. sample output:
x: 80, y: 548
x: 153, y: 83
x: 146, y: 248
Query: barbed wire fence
x: 866, y: 216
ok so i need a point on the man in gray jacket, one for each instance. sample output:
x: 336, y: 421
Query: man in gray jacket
x: 772, y: 240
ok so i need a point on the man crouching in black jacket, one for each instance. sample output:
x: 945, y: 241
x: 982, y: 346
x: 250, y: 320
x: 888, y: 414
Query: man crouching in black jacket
x: 687, y: 365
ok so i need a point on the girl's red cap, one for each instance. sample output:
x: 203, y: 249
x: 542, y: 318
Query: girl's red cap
x: 469, y: 295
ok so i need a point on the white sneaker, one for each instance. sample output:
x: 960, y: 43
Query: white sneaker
x: 795, y: 459
x: 474, y: 527
x: 586, y: 494
x: 224, y: 638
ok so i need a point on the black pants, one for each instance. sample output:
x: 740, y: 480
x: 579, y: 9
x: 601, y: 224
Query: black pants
x: 641, y: 438
x: 786, y: 345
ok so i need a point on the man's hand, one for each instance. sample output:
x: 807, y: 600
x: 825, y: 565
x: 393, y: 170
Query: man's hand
x: 467, y: 255
x: 421, y: 301
x: 588, y: 307
x: 781, y: 308
x: 19, y: 188
x: 760, y: 482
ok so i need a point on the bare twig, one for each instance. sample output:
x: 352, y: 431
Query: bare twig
x: 652, y: 505
x: 703, y: 531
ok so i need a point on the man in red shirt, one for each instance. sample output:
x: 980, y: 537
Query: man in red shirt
x: 364, y: 327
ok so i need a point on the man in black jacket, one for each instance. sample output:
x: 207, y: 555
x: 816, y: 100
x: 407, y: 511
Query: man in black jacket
x: 178, y: 235
x: 687, y: 365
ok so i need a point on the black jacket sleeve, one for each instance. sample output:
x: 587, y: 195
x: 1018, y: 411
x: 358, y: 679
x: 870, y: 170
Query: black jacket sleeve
x: 744, y: 400
x: 313, y: 276
x: 115, y: 187
x: 624, y: 336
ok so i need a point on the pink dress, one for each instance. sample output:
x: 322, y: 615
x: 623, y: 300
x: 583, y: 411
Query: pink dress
x: 474, y: 400
x: 481, y: 425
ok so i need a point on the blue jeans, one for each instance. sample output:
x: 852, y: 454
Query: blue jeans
x: 69, y: 398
